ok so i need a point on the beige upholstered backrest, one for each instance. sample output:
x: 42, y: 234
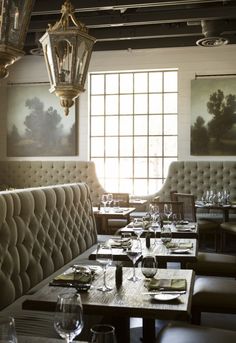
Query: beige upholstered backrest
x: 23, y: 174
x: 196, y: 177
x: 41, y: 229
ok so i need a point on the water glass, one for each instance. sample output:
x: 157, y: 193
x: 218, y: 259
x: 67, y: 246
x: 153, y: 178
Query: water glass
x: 104, y: 257
x: 168, y: 211
x: 68, y: 319
x: 103, y: 333
x: 104, y: 201
x: 7, y: 330
x: 149, y: 266
x: 166, y: 234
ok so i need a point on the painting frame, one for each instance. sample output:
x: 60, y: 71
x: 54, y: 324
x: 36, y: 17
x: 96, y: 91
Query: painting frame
x: 213, y: 120
x: 37, y: 125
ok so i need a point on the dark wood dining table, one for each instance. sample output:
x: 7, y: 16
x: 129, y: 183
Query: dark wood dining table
x: 112, y: 213
x: 162, y: 253
x: 126, y: 302
x: 189, y: 230
x: 225, y: 209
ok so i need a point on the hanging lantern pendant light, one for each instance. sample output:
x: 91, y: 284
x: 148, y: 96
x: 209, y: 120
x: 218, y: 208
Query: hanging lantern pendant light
x: 67, y: 50
x: 14, y: 22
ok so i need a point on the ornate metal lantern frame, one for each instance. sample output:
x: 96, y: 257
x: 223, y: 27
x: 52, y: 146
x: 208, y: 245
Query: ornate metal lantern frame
x: 67, y: 51
x: 14, y: 21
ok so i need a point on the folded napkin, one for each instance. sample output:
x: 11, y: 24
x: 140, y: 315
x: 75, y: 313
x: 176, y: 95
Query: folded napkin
x: 179, y: 245
x: 78, y: 276
x: 167, y: 284
x: 119, y: 243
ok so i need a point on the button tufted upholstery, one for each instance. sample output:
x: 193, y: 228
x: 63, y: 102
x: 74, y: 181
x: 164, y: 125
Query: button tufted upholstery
x: 196, y: 177
x: 23, y: 174
x: 41, y: 229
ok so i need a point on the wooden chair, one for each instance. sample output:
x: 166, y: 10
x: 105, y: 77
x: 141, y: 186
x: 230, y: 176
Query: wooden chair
x: 119, y: 200
x: 205, y: 227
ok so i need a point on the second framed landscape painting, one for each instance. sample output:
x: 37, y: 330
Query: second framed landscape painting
x: 37, y: 125
x: 213, y: 117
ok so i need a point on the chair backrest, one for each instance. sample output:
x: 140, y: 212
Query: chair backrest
x: 188, y: 200
x: 177, y: 207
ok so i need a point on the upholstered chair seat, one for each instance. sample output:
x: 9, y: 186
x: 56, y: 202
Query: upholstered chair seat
x: 213, y: 294
x: 186, y: 333
x: 214, y: 264
x: 227, y: 228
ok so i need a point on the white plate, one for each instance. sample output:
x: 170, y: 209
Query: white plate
x: 165, y: 296
x: 179, y: 251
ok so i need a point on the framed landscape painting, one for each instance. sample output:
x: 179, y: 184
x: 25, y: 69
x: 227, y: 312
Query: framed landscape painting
x: 213, y: 117
x: 37, y: 125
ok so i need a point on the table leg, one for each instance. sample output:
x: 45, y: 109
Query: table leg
x: 149, y: 331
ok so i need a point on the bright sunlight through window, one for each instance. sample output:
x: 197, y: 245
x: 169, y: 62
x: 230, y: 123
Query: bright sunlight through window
x: 133, y: 128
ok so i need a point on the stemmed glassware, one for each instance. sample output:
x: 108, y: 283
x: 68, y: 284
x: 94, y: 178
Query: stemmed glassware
x: 166, y: 234
x: 155, y: 215
x: 134, y: 252
x: 168, y: 211
x: 109, y: 199
x: 104, y: 257
x: 149, y: 266
x: 138, y: 227
x: 7, y: 330
x: 103, y: 333
x: 68, y: 319
x: 104, y: 201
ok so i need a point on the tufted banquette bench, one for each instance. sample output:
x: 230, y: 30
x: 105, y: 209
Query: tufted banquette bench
x: 24, y: 174
x: 41, y: 230
x: 196, y: 177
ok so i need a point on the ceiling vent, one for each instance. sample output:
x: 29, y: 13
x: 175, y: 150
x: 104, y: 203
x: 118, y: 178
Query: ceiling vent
x: 212, y: 31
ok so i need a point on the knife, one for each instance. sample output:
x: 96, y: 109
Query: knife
x: 164, y: 292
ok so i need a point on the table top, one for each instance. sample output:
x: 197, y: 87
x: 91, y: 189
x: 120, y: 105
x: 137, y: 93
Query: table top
x: 128, y: 300
x: 189, y: 230
x: 162, y: 253
x: 114, y: 212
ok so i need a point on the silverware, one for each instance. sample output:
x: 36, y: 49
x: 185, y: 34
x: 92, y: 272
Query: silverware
x: 164, y: 292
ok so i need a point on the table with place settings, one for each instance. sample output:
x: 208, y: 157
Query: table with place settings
x: 178, y: 250
x: 131, y: 299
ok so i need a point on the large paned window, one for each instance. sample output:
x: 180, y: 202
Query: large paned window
x: 133, y: 128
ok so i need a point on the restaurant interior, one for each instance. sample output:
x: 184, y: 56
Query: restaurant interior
x: 118, y: 171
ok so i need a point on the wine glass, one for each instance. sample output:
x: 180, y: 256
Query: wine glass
x: 155, y: 215
x: 68, y: 319
x: 168, y: 211
x: 104, y: 201
x: 109, y: 199
x: 134, y: 252
x: 166, y: 234
x: 104, y: 257
x: 103, y: 333
x: 138, y: 227
x: 7, y: 330
x: 149, y: 266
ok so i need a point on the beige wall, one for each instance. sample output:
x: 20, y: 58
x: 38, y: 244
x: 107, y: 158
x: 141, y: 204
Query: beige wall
x: 189, y: 61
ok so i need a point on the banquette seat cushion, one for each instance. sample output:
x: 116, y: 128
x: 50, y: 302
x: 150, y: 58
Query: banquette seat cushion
x: 186, y: 333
